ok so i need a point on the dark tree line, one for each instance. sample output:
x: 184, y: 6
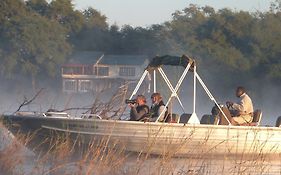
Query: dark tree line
x: 36, y: 37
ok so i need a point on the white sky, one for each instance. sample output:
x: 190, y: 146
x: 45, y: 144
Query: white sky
x: 146, y: 12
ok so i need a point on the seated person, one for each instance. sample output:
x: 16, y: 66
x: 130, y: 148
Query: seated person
x: 242, y: 111
x: 157, y: 108
x: 139, y: 110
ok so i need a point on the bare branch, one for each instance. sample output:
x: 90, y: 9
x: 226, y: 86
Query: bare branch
x: 27, y: 102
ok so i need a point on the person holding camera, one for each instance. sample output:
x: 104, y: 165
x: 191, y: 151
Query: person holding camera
x: 139, y: 109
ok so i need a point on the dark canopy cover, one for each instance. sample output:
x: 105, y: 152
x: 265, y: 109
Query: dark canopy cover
x: 169, y: 60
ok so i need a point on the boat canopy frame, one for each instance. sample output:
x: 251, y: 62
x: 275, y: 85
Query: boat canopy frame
x: 189, y: 65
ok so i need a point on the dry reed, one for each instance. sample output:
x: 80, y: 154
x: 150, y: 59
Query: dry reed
x: 65, y: 157
x: 69, y: 155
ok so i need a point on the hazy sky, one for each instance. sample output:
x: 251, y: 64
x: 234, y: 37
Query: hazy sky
x: 146, y: 12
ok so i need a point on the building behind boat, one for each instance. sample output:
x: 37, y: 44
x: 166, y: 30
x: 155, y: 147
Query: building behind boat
x: 95, y: 71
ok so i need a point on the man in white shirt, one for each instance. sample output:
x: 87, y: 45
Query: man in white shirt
x: 242, y: 111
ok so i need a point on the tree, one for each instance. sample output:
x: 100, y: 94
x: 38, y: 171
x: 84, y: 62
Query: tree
x: 39, y: 6
x: 33, y: 45
x: 94, y: 19
x: 94, y: 32
x: 268, y: 37
x: 275, y: 6
x: 63, y: 12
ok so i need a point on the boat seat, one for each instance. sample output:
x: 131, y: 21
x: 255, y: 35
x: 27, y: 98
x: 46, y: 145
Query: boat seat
x: 278, y: 122
x: 184, y: 118
x: 208, y: 119
x: 257, y: 115
x: 222, y: 119
x: 175, y: 118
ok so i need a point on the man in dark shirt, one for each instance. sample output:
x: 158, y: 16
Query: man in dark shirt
x: 139, y: 110
x: 157, y: 108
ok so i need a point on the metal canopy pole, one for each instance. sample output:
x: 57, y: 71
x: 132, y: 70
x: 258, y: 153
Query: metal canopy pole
x: 194, y: 118
x: 154, y: 81
x: 194, y: 90
x: 149, y: 84
x: 174, y: 93
x: 211, y: 96
x: 139, y: 83
x: 182, y: 77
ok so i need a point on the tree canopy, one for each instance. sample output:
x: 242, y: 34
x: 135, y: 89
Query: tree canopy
x: 36, y: 37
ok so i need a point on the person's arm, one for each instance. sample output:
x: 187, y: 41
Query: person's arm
x: 240, y: 106
x: 139, y: 115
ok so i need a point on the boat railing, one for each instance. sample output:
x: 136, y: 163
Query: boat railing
x: 56, y: 114
x: 27, y: 113
x: 90, y: 116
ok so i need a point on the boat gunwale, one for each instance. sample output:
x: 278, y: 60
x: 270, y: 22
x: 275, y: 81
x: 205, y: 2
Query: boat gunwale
x: 268, y: 128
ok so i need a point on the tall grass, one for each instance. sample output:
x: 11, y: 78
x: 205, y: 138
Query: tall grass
x: 12, y: 156
x: 67, y: 156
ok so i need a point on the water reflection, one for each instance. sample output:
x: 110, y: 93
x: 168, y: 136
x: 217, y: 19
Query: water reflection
x: 135, y: 164
x: 16, y: 159
x: 184, y: 166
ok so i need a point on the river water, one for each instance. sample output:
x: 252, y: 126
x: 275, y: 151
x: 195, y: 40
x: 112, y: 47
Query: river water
x: 173, y: 166
x: 24, y: 162
x: 17, y: 160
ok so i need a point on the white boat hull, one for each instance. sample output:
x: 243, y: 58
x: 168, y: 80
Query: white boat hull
x: 162, y: 138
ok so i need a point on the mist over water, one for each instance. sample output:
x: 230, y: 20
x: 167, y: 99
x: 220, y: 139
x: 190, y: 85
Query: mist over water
x: 174, y: 37
x: 48, y: 99
x: 53, y: 98
x: 264, y: 96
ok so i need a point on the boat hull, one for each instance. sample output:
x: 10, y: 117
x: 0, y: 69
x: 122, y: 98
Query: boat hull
x: 152, y: 138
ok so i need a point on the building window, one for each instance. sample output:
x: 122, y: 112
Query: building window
x: 85, y: 85
x: 70, y: 85
x: 101, y: 71
x: 72, y: 70
x: 88, y: 70
x: 127, y: 71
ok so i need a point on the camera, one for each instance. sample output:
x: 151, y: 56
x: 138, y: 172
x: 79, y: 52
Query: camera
x: 128, y: 101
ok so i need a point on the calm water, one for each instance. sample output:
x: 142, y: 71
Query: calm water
x: 29, y: 164
x: 177, y: 166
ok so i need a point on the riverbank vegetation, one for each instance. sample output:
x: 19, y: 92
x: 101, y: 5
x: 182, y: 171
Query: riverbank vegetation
x: 65, y: 155
x: 37, y: 36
